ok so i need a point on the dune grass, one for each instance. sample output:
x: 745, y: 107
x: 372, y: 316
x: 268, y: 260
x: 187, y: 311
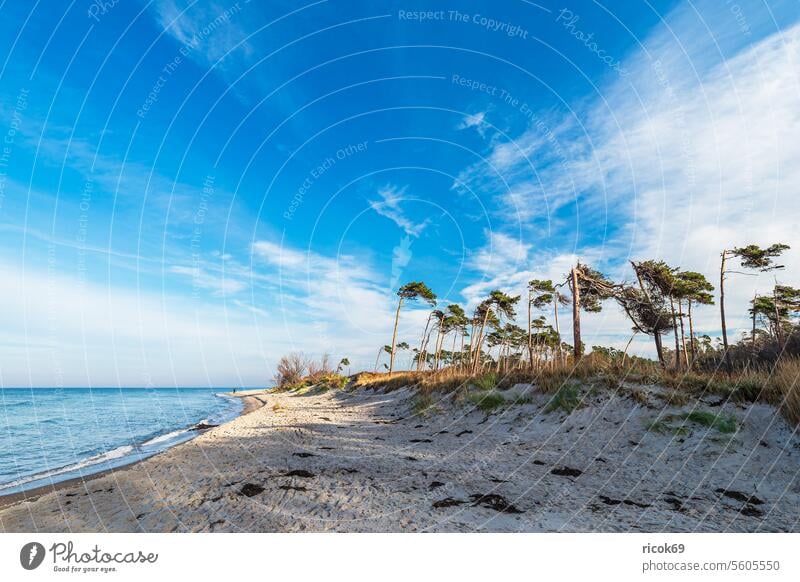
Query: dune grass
x: 779, y: 386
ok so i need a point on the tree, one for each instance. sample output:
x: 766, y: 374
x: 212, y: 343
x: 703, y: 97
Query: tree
x: 589, y: 289
x: 499, y: 303
x: 457, y: 321
x: 540, y: 294
x: 384, y: 349
x: 438, y: 317
x: 750, y: 257
x: 342, y: 363
x: 775, y: 310
x: 409, y: 292
x: 694, y: 288
x: 651, y: 308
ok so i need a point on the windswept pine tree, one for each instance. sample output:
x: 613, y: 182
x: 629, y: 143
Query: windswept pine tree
x: 457, y: 322
x: 497, y: 303
x: 693, y: 288
x: 409, y: 292
x: 750, y: 257
x: 589, y: 289
x: 650, y: 306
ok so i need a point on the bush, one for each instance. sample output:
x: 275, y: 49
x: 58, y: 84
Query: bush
x: 567, y: 399
x: 487, y: 400
x: 786, y: 383
x: 290, y: 369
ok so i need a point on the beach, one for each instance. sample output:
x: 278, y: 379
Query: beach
x: 371, y: 461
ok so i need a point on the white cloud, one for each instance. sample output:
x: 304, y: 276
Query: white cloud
x: 692, y: 152
x: 221, y: 285
x: 389, y: 206
x: 207, y: 31
x: 475, y: 120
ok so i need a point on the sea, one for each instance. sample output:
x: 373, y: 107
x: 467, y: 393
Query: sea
x: 49, y: 435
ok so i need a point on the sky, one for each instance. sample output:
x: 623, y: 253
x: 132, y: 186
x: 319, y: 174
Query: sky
x: 189, y: 190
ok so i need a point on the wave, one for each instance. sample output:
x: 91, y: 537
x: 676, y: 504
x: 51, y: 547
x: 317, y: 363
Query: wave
x: 126, y: 453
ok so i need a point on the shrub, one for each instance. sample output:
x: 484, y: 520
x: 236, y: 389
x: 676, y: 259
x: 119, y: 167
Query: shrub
x: 723, y: 423
x: 786, y: 383
x: 487, y: 381
x: 567, y: 398
x: 487, y: 400
x: 290, y: 369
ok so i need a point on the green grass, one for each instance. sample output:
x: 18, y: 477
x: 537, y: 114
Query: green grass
x: 487, y: 381
x: 423, y: 403
x: 567, y: 398
x: 661, y: 427
x: 487, y: 400
x: 722, y: 422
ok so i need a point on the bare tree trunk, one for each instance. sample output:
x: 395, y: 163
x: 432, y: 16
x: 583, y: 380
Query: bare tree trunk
x: 691, y: 334
x: 675, y: 333
x: 625, y: 353
x: 558, y: 333
x: 480, y: 340
x: 576, y: 315
x: 394, y: 335
x: 725, y: 354
x: 461, y: 352
x: 420, y: 354
x: 530, y: 339
x: 683, y: 334
x: 378, y: 359
x: 753, y: 332
x: 436, y: 346
x: 778, y: 334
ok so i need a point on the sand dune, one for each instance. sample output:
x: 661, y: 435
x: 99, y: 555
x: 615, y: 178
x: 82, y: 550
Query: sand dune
x: 364, y: 461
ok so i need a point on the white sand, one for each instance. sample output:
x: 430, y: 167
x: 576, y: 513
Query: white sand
x: 371, y: 468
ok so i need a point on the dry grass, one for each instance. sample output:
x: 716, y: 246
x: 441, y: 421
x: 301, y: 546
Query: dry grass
x: 785, y: 381
x: 779, y: 387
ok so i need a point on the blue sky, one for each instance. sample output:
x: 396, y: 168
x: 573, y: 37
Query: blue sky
x: 189, y: 190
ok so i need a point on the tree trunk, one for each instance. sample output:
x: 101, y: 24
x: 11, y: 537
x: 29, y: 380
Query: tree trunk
x: 394, y: 335
x: 683, y: 334
x: 753, y: 331
x: 480, y: 341
x: 576, y: 315
x: 422, y: 342
x: 461, y: 352
x: 436, y: 346
x: 691, y: 335
x: 675, y: 333
x: 656, y: 334
x: 725, y: 354
x: 778, y: 334
x: 378, y: 359
x: 625, y: 353
x: 530, y: 339
x: 558, y: 333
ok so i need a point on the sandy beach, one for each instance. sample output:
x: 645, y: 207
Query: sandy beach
x: 365, y: 461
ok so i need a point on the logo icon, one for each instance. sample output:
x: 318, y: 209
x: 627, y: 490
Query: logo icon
x: 31, y: 555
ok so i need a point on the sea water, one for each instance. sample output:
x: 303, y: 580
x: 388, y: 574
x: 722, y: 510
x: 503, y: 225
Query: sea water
x: 53, y: 434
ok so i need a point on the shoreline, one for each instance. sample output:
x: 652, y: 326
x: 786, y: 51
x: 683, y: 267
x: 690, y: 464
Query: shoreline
x: 251, y: 403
